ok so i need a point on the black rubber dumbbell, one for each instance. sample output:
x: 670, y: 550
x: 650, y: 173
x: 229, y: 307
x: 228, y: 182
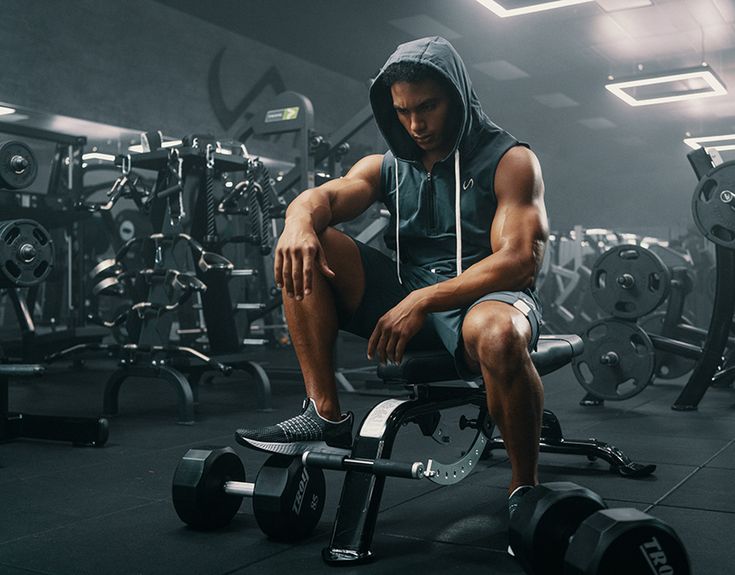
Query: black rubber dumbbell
x: 564, y: 529
x: 209, y: 484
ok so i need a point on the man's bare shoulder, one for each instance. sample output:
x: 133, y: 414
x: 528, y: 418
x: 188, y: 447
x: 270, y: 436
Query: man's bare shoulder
x: 519, y: 171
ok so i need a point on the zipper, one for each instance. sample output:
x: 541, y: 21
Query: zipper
x: 431, y: 203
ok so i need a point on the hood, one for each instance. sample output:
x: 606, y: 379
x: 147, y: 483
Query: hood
x: 439, y: 54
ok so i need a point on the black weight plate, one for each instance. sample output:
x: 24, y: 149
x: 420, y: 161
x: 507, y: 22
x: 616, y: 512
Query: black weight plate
x: 615, y: 541
x: 198, y: 487
x: 668, y: 365
x: 618, y: 360
x: 289, y: 498
x: 713, y: 205
x: 629, y: 281
x: 26, y: 253
x: 18, y: 167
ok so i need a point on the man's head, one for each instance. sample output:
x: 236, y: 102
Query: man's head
x: 425, y: 104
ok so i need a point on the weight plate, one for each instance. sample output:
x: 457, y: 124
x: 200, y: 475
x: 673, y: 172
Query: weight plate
x: 198, y: 487
x: 713, y: 205
x: 629, y: 281
x: 289, y: 498
x: 26, y: 253
x: 18, y: 167
x: 668, y: 365
x: 618, y: 360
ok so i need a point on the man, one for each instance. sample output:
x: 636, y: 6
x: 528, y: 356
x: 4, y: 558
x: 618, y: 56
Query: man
x: 468, y: 225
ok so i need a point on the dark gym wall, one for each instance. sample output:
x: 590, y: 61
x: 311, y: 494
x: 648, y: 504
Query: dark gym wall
x: 142, y: 65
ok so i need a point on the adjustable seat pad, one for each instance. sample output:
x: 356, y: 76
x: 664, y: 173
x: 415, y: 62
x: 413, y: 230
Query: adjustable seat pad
x: 553, y: 352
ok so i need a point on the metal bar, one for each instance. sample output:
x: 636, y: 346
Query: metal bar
x: 239, y: 488
x: 717, y: 334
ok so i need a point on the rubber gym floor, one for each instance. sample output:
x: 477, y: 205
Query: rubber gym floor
x: 75, y: 510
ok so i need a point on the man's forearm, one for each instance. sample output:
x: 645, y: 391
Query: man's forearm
x: 497, y: 272
x: 311, y: 207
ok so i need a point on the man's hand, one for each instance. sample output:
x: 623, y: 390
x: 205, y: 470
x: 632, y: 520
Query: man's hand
x: 395, y: 329
x: 297, y: 252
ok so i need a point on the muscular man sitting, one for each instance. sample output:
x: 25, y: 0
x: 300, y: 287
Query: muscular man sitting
x: 469, y: 228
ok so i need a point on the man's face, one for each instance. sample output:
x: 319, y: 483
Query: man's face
x: 423, y: 108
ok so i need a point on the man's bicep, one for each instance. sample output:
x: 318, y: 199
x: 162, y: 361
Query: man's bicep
x: 520, y: 221
x: 357, y: 190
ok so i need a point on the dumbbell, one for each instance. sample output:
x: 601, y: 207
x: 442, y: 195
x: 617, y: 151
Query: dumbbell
x: 565, y: 529
x: 209, y: 485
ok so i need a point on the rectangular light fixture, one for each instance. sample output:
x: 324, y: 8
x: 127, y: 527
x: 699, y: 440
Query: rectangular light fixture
x: 5, y: 111
x: 504, y: 12
x: 703, y: 141
x: 704, y: 74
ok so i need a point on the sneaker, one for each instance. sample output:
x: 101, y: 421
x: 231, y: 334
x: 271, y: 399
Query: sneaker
x: 513, y: 502
x: 306, y: 432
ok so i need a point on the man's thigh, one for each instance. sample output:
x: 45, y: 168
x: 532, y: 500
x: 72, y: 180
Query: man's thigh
x: 382, y: 292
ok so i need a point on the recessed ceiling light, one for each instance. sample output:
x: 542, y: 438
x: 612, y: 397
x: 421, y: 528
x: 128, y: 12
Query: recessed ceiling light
x: 504, y: 12
x: 710, y: 86
x: 5, y: 111
x: 701, y: 141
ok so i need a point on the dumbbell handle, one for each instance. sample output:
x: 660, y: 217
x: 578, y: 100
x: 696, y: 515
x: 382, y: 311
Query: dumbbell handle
x: 385, y: 467
x: 240, y: 488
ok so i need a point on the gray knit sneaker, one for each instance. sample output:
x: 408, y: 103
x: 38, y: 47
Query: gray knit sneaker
x: 513, y: 502
x: 306, y: 432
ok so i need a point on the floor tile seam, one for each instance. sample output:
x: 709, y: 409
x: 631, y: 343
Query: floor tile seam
x: 80, y: 520
x: 688, y: 477
x: 443, y: 542
x: 35, y: 571
x: 692, y: 508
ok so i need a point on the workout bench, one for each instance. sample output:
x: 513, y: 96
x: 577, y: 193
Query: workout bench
x: 422, y: 373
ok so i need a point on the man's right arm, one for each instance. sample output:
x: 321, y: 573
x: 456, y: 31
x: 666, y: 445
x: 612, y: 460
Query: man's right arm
x: 341, y: 199
x: 299, y: 250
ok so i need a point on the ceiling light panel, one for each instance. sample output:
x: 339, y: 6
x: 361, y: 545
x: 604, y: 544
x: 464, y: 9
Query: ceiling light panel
x: 674, y: 86
x: 615, y: 5
x: 507, y: 8
x: 722, y: 143
x: 557, y: 100
x: 422, y: 25
x: 597, y: 123
x: 500, y: 70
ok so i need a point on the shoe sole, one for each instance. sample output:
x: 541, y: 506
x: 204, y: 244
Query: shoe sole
x: 292, y: 448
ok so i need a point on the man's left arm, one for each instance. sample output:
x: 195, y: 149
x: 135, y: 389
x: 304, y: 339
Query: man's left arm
x: 518, y: 238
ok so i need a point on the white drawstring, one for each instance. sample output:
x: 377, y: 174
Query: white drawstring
x: 398, y: 223
x: 457, y: 212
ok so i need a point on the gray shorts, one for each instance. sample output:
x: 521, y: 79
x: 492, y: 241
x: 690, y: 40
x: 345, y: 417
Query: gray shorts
x: 442, y: 329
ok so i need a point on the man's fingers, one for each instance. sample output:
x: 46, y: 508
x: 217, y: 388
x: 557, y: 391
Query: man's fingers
x: 390, y: 346
x: 323, y: 264
x: 400, y: 349
x: 278, y: 269
x: 307, y: 272
x: 288, y: 275
x: 297, y: 275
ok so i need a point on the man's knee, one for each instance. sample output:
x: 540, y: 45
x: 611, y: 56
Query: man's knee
x: 496, y: 336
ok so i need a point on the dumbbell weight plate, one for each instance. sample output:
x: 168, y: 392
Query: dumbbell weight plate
x: 625, y: 541
x: 629, y: 281
x: 26, y: 253
x: 713, y: 205
x: 289, y: 498
x: 198, y: 487
x: 618, y: 360
x: 544, y: 521
x: 18, y: 167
